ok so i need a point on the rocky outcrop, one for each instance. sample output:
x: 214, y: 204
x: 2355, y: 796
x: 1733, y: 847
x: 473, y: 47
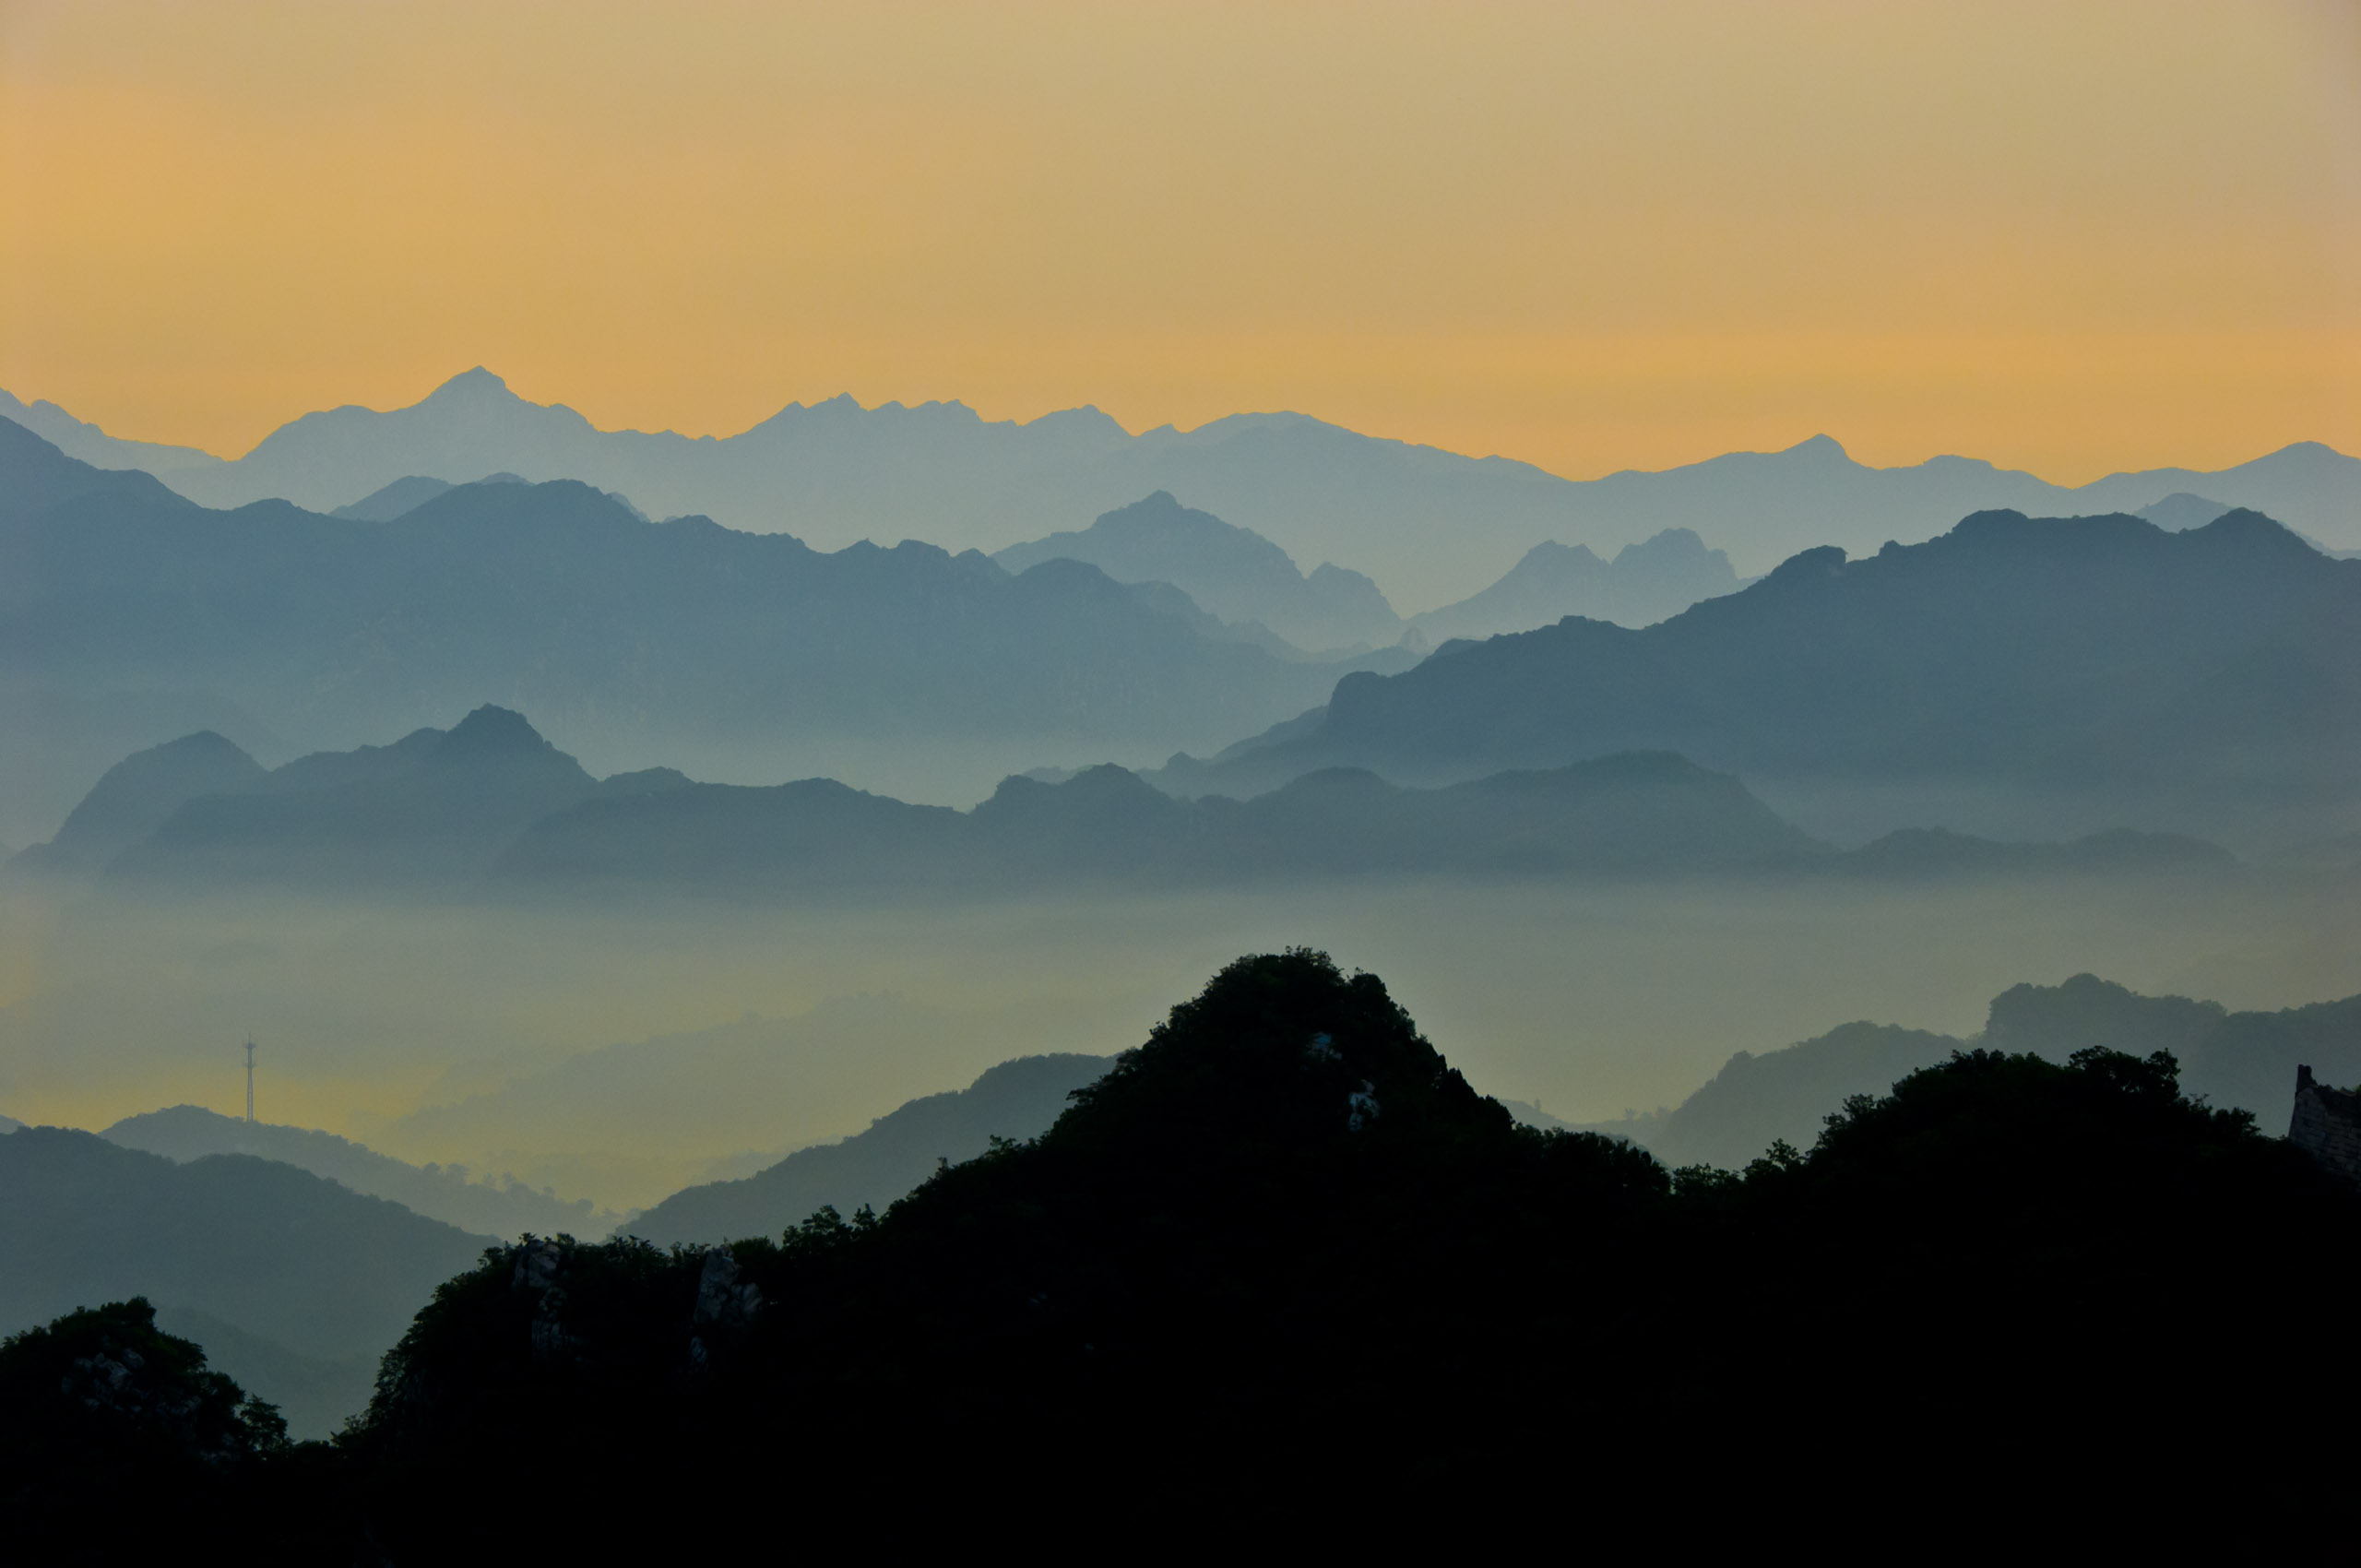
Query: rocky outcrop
x: 2327, y: 1125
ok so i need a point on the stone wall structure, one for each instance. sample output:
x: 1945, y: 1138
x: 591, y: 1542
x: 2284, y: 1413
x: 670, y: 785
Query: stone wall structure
x: 2327, y: 1124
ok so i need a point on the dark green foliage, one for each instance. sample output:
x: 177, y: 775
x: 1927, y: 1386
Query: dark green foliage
x: 114, y: 1435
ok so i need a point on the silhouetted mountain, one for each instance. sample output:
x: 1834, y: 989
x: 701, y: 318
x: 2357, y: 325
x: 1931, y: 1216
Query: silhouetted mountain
x: 1430, y: 526
x: 1283, y: 1239
x: 2201, y: 680
x: 1232, y: 573
x: 634, y: 641
x: 1643, y: 584
x: 135, y: 798
x: 2242, y: 1060
x: 87, y: 442
x: 278, y: 1251
x: 876, y: 1167
x: 2247, y: 1060
x: 1631, y: 814
x: 34, y: 476
x: 388, y: 502
x: 432, y: 809
x: 2180, y: 511
x: 189, y: 1131
x: 1756, y: 1100
x: 316, y: 1395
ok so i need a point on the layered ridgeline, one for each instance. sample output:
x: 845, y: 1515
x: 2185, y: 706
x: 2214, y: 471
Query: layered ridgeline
x: 2242, y: 1060
x: 128, y: 615
x: 492, y: 807
x: 504, y: 1208
x: 2089, y: 672
x: 1282, y: 1244
x: 309, y: 1280
x: 1430, y: 526
x: 1241, y: 576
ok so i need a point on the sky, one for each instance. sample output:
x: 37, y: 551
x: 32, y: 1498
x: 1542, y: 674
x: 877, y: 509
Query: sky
x: 2068, y: 237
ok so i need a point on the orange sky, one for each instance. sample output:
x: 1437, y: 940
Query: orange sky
x: 2067, y: 237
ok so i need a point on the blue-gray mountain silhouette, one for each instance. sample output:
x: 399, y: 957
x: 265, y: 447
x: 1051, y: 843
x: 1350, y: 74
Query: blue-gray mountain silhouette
x: 1643, y: 584
x: 878, y: 1166
x: 1430, y: 526
x: 184, y: 1133
x: 632, y: 636
x: 2201, y: 680
x: 2242, y: 1060
x: 284, y: 1254
x: 1230, y: 572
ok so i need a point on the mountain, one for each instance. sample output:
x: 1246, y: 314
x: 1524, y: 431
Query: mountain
x: 430, y: 810
x: 315, y: 1394
x: 632, y: 640
x: 2180, y: 511
x: 1430, y: 526
x: 2243, y: 1061
x: 876, y: 1167
x: 278, y: 1253
x: 2064, y: 669
x: 135, y: 798
x: 1643, y: 584
x: 88, y: 444
x: 1232, y: 573
x: 184, y: 1133
x: 1282, y: 1243
x: 36, y: 475
x: 1637, y: 814
x: 388, y: 502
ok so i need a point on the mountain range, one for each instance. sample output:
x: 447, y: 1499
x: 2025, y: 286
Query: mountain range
x: 2243, y: 1060
x: 2077, y: 672
x: 313, y: 1272
x: 1430, y: 526
x: 184, y: 1133
x: 489, y: 807
x: 129, y: 615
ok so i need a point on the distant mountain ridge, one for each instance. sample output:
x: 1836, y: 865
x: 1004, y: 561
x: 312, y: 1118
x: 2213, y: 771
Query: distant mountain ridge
x: 184, y: 1133
x: 2242, y: 1060
x: 2201, y: 680
x: 637, y: 641
x: 1016, y: 1099
x: 1430, y: 526
x: 488, y: 807
x: 1231, y: 572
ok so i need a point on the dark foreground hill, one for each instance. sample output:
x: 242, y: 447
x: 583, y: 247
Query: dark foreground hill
x: 1281, y: 1268
x: 875, y: 1168
x: 2195, y: 680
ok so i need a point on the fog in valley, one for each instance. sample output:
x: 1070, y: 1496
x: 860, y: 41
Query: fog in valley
x: 619, y: 1053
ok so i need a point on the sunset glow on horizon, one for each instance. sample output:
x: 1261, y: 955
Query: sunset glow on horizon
x: 2069, y: 238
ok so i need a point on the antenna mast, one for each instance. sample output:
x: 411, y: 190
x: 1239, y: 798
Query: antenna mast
x: 250, y: 1083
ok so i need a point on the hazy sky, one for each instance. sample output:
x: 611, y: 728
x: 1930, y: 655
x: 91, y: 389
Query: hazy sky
x: 2069, y: 237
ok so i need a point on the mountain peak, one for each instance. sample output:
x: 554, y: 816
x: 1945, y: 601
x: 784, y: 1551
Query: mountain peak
x: 492, y: 731
x: 470, y: 383
x: 1823, y: 447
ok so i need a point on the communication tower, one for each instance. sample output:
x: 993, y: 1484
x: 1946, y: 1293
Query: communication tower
x: 250, y: 1083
